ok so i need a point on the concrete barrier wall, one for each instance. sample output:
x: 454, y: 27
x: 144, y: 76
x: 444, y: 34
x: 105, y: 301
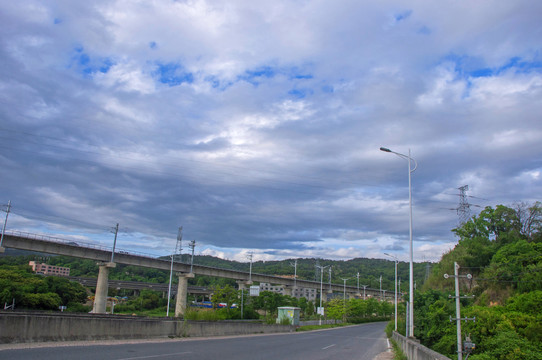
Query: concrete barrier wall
x: 415, y: 351
x: 39, y: 327
x: 317, y: 322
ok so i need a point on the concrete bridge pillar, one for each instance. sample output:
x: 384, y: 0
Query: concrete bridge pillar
x: 182, y: 291
x: 102, y: 285
x: 287, y: 290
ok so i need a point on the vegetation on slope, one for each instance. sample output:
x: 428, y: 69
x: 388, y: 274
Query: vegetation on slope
x: 502, y: 249
x: 18, y: 284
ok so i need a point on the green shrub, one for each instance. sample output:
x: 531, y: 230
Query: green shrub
x: 389, y: 328
x: 80, y: 308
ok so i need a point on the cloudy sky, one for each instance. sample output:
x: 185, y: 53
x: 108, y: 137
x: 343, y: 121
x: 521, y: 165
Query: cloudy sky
x: 256, y: 125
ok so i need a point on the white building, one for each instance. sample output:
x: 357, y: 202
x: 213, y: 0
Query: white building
x: 298, y: 292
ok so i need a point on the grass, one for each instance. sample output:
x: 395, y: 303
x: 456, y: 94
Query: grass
x: 398, y: 353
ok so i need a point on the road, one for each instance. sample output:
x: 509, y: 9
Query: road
x: 360, y: 342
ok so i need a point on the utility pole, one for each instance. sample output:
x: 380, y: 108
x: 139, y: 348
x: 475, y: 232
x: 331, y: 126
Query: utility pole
x: 4, y: 227
x: 330, y: 279
x: 380, y: 287
x: 192, y: 246
x: 458, y: 307
x: 115, y: 231
x: 177, y: 249
x: 364, y: 287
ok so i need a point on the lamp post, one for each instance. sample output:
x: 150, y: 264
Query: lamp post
x: 295, y: 273
x: 395, y: 260
x: 411, y: 271
x: 358, y: 281
x: 344, y: 288
x: 250, y: 256
x: 344, y: 298
x: 321, y: 286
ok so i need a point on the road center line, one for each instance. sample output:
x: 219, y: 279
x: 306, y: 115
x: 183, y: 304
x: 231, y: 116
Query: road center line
x: 327, y: 347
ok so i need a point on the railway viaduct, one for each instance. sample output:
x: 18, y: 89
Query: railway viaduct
x: 107, y: 259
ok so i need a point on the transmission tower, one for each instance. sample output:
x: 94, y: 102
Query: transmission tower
x: 463, y: 210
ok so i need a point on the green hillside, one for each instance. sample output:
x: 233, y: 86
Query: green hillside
x: 502, y: 249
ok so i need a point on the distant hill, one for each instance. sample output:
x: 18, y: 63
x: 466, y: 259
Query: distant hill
x: 369, y: 270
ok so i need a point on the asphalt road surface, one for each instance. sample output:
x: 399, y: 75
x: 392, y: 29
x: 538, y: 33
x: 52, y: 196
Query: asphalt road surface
x: 361, y: 342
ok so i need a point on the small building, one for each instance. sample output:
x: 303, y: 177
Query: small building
x: 289, y: 313
x: 297, y: 292
x: 46, y: 269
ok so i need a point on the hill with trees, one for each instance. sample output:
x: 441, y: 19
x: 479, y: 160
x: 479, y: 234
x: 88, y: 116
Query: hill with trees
x: 502, y: 249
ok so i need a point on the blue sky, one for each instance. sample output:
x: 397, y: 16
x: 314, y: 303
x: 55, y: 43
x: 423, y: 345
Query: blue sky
x: 257, y: 125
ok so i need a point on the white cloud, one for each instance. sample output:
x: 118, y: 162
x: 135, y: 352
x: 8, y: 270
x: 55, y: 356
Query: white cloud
x: 127, y: 77
x: 257, y: 125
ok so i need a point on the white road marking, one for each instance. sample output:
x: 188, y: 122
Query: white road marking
x: 327, y: 347
x: 155, y: 356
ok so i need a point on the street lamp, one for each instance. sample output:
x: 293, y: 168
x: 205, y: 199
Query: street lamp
x: 344, y: 298
x: 358, y: 282
x: 364, y: 287
x: 321, y: 286
x: 411, y: 272
x: 344, y: 289
x: 395, y: 260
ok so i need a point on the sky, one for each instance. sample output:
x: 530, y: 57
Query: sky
x: 256, y: 125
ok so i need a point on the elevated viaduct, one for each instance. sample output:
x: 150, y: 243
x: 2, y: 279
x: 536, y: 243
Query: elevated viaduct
x: 107, y: 259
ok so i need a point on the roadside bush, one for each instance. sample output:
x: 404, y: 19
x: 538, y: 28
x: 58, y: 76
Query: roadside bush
x: 363, y: 320
x: 47, y: 301
x: 80, y: 308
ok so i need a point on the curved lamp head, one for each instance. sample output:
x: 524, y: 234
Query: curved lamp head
x: 385, y: 149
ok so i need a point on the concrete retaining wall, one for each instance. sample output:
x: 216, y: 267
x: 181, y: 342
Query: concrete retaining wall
x: 39, y: 327
x: 415, y: 351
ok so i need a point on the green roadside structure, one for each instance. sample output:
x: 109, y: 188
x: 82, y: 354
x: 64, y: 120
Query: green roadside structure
x: 290, y: 313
